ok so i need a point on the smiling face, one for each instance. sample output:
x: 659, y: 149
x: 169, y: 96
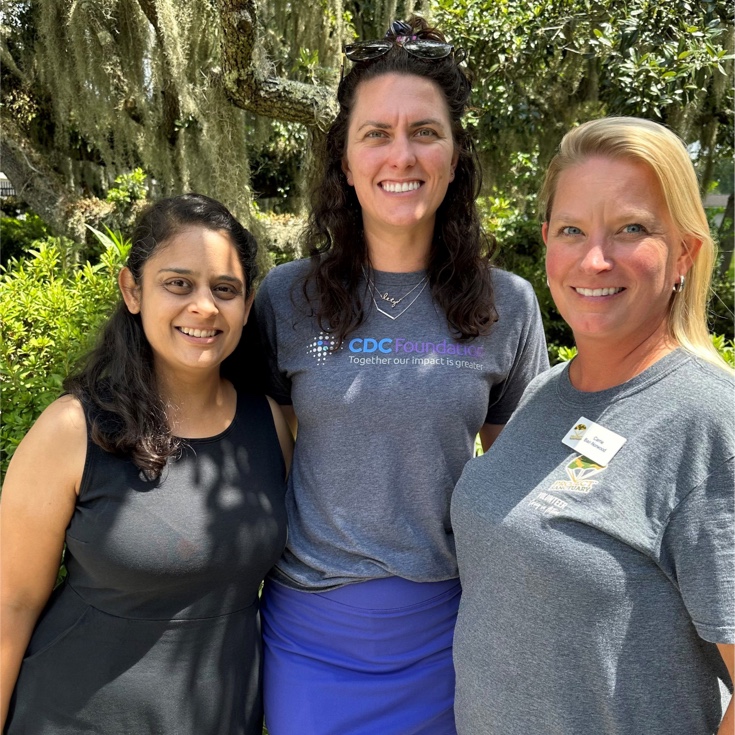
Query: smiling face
x: 614, y: 253
x: 191, y: 299
x: 400, y: 155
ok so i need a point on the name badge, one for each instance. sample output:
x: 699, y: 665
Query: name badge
x: 594, y: 441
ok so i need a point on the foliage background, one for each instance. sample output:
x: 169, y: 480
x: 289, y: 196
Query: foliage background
x: 108, y: 103
x: 50, y: 309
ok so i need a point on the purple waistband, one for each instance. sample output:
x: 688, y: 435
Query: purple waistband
x: 388, y: 592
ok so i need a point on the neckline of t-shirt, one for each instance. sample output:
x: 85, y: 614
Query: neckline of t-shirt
x: 216, y: 437
x: 668, y: 363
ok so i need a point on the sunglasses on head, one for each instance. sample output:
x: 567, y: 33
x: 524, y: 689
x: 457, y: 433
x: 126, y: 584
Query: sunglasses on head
x: 419, y: 47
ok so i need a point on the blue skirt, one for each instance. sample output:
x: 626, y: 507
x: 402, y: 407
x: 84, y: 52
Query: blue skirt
x: 367, y: 658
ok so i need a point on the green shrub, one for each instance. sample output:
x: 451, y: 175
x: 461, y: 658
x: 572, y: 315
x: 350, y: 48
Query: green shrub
x: 19, y: 234
x: 50, y: 312
x: 129, y: 188
x: 521, y: 251
x: 724, y: 346
x: 559, y: 353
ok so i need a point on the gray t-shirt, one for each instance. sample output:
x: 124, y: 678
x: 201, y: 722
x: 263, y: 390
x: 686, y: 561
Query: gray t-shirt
x: 593, y: 597
x: 386, y: 424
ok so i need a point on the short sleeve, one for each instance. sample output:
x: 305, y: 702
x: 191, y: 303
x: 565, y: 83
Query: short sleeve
x: 531, y: 358
x: 698, y: 553
x: 264, y: 314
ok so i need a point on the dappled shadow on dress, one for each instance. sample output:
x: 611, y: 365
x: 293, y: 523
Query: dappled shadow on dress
x: 156, y: 628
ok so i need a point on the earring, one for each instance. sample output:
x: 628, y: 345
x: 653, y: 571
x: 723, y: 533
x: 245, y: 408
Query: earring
x: 679, y: 287
x: 547, y: 282
x: 451, y: 174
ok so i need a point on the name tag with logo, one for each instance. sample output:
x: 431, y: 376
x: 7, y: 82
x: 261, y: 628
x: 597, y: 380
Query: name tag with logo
x: 593, y: 441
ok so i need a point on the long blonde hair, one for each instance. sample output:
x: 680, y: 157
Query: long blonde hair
x: 666, y: 155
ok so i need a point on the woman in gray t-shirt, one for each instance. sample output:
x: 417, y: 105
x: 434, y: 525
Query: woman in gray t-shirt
x: 595, y: 539
x: 392, y: 346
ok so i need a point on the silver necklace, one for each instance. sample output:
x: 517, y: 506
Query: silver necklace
x: 389, y: 299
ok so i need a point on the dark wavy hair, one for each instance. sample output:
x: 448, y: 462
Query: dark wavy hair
x: 458, y: 268
x: 116, y: 381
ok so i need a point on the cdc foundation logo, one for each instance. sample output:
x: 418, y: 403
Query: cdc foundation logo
x: 321, y: 347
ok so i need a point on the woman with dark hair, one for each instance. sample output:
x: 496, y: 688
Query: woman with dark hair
x: 391, y: 348
x: 166, y: 485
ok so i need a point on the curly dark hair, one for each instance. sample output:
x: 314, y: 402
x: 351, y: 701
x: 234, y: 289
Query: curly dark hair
x: 458, y: 267
x: 116, y: 381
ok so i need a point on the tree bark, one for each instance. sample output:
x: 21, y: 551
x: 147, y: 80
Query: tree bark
x: 39, y: 186
x: 43, y: 190
x: 251, y: 89
x: 726, y: 236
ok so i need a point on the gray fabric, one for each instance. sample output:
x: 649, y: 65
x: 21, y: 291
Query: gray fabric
x: 593, y: 605
x: 386, y: 424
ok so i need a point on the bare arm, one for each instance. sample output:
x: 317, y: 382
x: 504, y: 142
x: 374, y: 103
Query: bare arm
x: 488, y: 434
x: 284, y: 431
x: 38, y: 500
x: 727, y: 726
x: 291, y: 420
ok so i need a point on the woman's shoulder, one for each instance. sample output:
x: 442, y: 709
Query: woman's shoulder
x: 285, y: 274
x: 704, y: 388
x: 55, y: 446
x: 710, y: 372
x: 61, y: 429
x: 507, y: 285
x: 65, y: 415
x: 281, y: 292
x: 546, y: 380
x: 516, y: 306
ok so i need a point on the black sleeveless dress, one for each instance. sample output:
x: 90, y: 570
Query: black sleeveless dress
x: 156, y: 629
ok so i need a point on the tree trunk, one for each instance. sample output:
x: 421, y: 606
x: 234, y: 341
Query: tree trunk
x: 43, y: 190
x: 726, y: 237
x: 251, y: 89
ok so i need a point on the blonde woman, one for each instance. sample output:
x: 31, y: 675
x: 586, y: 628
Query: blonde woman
x: 595, y: 539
